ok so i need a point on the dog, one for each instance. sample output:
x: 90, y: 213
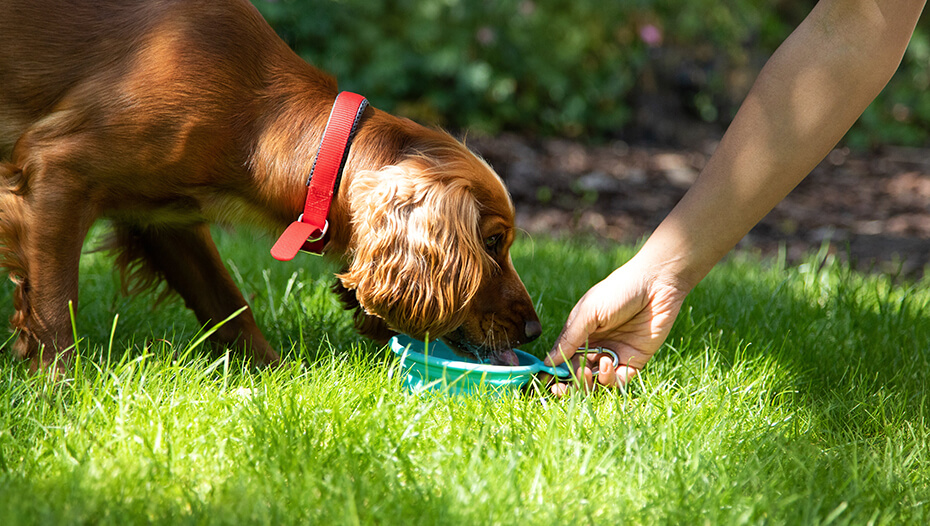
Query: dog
x: 163, y: 116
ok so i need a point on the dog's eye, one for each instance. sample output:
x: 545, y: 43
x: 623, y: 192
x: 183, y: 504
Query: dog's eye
x: 492, y: 243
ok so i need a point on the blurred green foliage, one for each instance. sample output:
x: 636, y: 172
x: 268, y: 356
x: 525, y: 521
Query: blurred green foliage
x: 901, y: 113
x: 568, y: 67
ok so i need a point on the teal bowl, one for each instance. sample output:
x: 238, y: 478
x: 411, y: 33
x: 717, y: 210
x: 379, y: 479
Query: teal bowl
x: 434, y: 366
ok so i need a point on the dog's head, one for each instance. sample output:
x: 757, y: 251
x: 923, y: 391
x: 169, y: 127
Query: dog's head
x: 430, y: 251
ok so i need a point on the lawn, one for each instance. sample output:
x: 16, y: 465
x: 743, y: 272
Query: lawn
x: 784, y: 395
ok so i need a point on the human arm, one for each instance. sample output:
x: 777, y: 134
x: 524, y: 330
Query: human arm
x: 807, y: 96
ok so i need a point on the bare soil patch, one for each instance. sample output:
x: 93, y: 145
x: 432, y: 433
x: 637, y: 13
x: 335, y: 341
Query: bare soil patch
x: 872, y: 209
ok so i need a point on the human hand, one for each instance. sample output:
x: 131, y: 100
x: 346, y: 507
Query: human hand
x: 631, y: 313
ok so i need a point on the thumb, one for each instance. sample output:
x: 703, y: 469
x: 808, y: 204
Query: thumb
x: 573, y: 335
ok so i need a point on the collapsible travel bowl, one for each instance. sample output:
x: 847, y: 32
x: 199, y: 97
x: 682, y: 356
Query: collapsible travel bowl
x: 434, y: 366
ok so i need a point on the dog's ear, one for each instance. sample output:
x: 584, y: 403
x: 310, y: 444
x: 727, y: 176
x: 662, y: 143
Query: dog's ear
x: 417, y: 259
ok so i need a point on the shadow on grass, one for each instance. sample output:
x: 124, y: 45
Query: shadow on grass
x: 855, y: 347
x: 841, y: 335
x: 311, y: 327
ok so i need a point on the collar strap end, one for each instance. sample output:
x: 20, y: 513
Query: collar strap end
x: 306, y: 234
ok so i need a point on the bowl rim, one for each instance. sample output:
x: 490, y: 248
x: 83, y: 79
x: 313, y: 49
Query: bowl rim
x: 404, y: 351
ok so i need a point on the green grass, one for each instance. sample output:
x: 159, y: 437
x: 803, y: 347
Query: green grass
x: 784, y: 396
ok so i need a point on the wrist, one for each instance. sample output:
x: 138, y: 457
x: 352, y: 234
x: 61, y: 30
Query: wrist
x: 672, y: 262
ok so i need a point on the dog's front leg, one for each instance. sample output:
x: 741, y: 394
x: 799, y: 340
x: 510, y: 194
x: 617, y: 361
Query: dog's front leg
x: 188, y: 260
x: 56, y: 219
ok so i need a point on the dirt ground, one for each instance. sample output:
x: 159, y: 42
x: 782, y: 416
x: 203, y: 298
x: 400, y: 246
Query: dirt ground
x: 873, y: 209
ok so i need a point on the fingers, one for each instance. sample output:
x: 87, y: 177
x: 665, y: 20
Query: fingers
x: 559, y: 390
x: 585, y: 376
x: 607, y: 374
x: 625, y: 374
x: 618, y: 377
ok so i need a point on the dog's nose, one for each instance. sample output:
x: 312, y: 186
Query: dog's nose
x: 532, y: 330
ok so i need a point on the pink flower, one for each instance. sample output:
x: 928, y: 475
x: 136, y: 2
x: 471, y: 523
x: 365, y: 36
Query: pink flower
x: 486, y: 36
x: 651, y: 35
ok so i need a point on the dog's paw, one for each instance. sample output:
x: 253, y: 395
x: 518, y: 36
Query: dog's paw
x: 264, y: 356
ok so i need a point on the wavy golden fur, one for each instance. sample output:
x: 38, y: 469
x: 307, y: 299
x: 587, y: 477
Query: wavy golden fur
x: 163, y: 116
x: 408, y: 242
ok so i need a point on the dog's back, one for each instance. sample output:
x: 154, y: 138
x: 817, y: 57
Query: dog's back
x: 48, y: 49
x: 153, y: 59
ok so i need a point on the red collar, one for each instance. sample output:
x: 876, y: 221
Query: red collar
x: 307, y: 233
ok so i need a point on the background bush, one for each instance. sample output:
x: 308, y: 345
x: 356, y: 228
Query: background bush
x: 572, y: 67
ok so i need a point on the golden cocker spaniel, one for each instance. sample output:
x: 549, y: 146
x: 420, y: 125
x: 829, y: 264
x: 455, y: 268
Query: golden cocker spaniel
x: 164, y: 116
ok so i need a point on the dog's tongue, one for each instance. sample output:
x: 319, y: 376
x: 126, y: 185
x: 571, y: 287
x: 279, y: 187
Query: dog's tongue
x: 505, y: 357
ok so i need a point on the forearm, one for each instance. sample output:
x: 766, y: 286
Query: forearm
x: 806, y: 98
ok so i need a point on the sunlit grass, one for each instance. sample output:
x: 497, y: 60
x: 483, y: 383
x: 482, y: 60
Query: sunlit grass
x: 793, y: 396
